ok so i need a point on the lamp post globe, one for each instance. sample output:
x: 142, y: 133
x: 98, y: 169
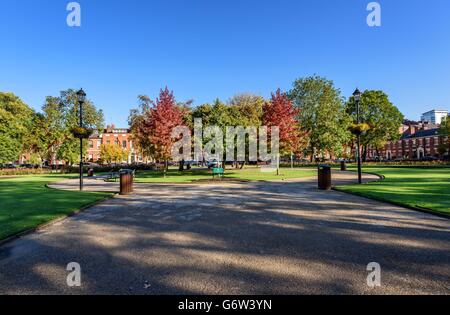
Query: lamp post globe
x: 81, y: 96
x: 357, y: 95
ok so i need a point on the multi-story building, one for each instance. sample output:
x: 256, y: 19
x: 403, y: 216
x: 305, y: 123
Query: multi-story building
x: 418, y: 141
x: 113, y: 136
x: 435, y: 116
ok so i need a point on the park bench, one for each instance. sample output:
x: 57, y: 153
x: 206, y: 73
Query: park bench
x: 116, y: 175
x: 217, y: 171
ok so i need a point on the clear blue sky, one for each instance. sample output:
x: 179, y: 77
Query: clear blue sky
x: 203, y: 49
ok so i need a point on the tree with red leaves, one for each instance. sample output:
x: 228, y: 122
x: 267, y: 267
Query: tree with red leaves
x: 152, y: 128
x: 280, y: 112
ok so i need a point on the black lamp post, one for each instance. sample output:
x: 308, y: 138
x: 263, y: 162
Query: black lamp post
x: 81, y: 96
x: 357, y: 97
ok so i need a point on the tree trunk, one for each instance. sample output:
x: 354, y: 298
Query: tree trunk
x: 365, y: 153
x: 181, y: 168
x: 166, y: 167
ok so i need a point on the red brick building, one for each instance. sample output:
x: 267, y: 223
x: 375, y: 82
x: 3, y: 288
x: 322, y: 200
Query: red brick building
x: 113, y: 136
x: 418, y: 141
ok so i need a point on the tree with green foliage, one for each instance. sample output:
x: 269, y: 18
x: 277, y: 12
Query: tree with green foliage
x: 444, y: 133
x: 15, y: 122
x: 247, y: 109
x: 136, y: 121
x: 241, y: 110
x: 60, y: 116
x: 217, y: 114
x: 322, y: 115
x: 382, y: 117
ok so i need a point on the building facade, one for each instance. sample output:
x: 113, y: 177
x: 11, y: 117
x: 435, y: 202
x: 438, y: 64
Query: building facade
x: 113, y: 136
x: 419, y: 140
x: 435, y: 116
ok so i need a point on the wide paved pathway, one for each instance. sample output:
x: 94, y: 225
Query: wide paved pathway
x: 234, y: 238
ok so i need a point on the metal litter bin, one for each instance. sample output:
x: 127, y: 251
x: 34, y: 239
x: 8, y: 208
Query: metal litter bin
x: 90, y: 172
x: 343, y: 166
x: 324, y: 177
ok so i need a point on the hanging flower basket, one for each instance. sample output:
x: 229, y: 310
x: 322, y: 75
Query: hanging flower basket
x: 82, y: 133
x: 359, y: 129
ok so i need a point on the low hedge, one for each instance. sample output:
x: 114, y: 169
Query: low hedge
x: 112, y: 168
x: 380, y: 164
x: 24, y: 171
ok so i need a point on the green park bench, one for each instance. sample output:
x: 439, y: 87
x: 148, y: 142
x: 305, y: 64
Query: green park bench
x: 218, y: 172
x: 116, y: 175
x: 112, y: 176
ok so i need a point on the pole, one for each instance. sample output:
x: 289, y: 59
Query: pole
x: 358, y: 154
x: 81, y: 148
x: 278, y: 164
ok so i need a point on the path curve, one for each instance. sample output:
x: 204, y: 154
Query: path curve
x: 239, y: 238
x: 98, y: 185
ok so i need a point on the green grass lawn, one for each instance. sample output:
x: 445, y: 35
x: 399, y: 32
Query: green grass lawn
x: 248, y: 173
x: 26, y: 203
x: 427, y: 188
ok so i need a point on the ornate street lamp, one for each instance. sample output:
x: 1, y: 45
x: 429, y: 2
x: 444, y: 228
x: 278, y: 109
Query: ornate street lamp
x: 81, y: 97
x: 357, y: 97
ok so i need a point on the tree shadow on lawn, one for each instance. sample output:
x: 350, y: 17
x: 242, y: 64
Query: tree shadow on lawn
x: 280, y: 238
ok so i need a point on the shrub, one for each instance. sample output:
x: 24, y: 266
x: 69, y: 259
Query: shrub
x: 23, y: 171
x: 111, y: 168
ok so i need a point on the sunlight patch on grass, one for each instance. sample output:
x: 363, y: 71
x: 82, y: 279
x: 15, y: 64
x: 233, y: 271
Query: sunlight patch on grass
x: 26, y: 203
x: 427, y: 188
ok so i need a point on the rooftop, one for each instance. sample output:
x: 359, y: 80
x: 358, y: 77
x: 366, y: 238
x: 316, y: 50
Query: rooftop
x: 422, y: 134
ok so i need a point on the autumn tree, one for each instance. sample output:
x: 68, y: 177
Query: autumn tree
x: 152, y: 125
x: 113, y: 153
x: 279, y: 112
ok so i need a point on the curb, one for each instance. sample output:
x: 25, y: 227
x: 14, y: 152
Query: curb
x: 52, y: 222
